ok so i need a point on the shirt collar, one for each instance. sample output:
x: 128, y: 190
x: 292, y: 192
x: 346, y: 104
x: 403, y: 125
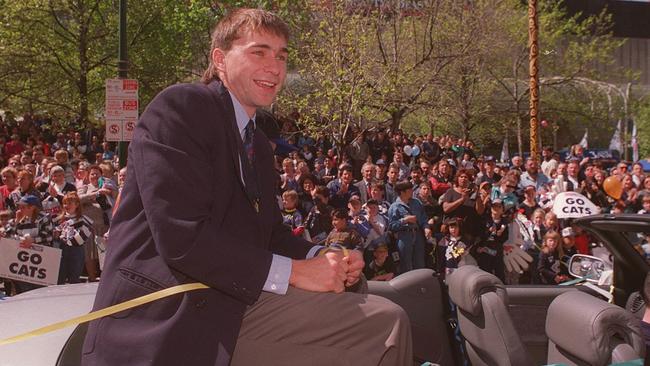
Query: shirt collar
x: 240, y: 114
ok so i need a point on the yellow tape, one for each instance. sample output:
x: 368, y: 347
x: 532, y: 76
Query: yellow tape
x: 106, y: 311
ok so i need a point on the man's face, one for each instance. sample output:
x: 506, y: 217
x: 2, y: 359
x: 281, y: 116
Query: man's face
x: 393, y: 174
x: 443, y: 168
x: 254, y: 68
x: 572, y: 169
x: 346, y: 177
x: 37, y: 155
x: 368, y: 173
x: 531, y: 167
x: 516, y: 161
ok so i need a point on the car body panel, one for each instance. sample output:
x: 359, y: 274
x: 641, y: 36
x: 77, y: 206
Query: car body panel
x: 38, y: 308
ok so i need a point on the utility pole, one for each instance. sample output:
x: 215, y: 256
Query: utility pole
x: 533, y: 46
x: 122, y: 73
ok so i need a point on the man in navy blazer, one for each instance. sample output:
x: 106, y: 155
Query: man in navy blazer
x: 199, y: 206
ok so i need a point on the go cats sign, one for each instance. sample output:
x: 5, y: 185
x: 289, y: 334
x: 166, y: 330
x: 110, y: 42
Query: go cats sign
x: 573, y: 205
x: 38, y: 264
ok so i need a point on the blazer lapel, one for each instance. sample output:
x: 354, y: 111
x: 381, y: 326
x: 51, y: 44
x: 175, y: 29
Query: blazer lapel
x: 222, y: 97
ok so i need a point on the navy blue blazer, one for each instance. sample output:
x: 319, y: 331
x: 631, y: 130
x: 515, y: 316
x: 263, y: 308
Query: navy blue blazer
x: 185, y: 217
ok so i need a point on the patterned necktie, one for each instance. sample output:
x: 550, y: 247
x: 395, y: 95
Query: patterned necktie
x: 249, y: 134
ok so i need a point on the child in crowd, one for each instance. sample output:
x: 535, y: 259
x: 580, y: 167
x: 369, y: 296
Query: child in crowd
x: 489, y: 251
x: 549, y: 265
x: 451, y: 248
x: 291, y: 216
x: 568, y: 244
x: 72, y: 231
x: 288, y: 178
x: 381, y: 267
x: 358, y: 218
x: 342, y: 233
x: 646, y: 205
x: 377, y: 222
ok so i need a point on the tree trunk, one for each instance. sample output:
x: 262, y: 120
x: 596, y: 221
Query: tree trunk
x: 396, y: 119
x: 83, y: 67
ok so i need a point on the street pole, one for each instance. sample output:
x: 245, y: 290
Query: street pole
x: 122, y: 73
x: 534, y: 77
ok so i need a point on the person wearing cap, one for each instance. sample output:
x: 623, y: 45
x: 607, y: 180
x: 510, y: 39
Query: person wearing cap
x: 451, y: 248
x: 568, y: 245
x: 381, y: 267
x: 404, y: 222
x: 31, y: 226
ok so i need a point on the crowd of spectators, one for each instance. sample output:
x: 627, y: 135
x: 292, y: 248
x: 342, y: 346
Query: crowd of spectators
x: 423, y: 201
x: 58, y: 190
x: 407, y: 202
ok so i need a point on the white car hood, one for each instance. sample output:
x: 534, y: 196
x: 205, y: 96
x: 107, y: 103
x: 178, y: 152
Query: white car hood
x: 36, y: 309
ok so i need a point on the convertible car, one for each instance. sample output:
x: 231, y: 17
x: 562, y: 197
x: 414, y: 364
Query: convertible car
x: 472, y: 317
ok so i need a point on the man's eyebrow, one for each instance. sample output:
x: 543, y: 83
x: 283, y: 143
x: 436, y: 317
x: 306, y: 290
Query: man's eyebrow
x: 266, y: 46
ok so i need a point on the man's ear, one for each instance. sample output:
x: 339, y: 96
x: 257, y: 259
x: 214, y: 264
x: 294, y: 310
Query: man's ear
x: 219, y: 59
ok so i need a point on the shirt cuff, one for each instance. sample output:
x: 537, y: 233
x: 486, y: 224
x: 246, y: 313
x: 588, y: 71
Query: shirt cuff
x: 313, y: 251
x: 277, y: 281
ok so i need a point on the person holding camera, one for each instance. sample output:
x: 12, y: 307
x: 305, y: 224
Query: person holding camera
x: 319, y: 220
x: 461, y: 202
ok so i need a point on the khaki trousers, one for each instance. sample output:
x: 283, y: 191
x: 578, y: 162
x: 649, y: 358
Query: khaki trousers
x: 308, y: 328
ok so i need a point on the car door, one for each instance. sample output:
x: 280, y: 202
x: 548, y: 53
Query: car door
x: 616, y: 237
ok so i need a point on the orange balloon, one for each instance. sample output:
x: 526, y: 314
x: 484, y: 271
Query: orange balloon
x: 613, y: 187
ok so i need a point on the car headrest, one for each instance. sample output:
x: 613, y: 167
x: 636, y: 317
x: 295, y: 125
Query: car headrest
x: 468, y: 283
x: 589, y: 329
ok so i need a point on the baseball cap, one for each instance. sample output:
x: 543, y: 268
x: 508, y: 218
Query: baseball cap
x: 380, y: 162
x: 30, y: 199
x: 497, y: 201
x: 567, y: 231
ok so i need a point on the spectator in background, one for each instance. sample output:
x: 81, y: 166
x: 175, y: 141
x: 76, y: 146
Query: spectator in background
x: 60, y: 143
x: 288, y: 177
x: 319, y: 221
x: 72, y: 232
x: 381, y: 267
x: 62, y: 157
x: 550, y: 260
x: 517, y: 163
x: 31, y: 226
x: 329, y: 172
x: 368, y: 171
x: 442, y: 181
x: 391, y: 181
x: 291, y: 216
x: 307, y: 183
x: 461, y: 202
x: 9, y: 184
x: 398, y: 159
x: 343, y: 234
x: 107, y: 152
x: 25, y: 187
x: 403, y: 222
x: 342, y: 189
x: 13, y: 147
x: 532, y: 176
x: 488, y: 175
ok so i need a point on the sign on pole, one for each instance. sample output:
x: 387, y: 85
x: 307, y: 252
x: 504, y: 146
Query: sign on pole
x: 38, y: 264
x: 121, y: 109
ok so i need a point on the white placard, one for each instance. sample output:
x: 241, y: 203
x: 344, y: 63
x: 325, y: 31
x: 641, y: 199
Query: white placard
x: 38, y: 264
x: 121, y: 109
x: 573, y: 205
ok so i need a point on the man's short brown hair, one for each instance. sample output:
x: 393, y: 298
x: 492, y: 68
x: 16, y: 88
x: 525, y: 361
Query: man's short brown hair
x: 234, y: 23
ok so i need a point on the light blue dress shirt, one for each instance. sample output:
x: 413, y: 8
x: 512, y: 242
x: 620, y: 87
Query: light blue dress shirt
x: 278, y: 279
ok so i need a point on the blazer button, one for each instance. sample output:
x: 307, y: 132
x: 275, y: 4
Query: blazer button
x: 201, y: 303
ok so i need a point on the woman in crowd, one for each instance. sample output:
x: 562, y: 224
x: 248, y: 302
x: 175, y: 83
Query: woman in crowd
x: 94, y: 200
x: 463, y: 202
x: 72, y: 232
x: 9, y: 183
x: 25, y: 187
